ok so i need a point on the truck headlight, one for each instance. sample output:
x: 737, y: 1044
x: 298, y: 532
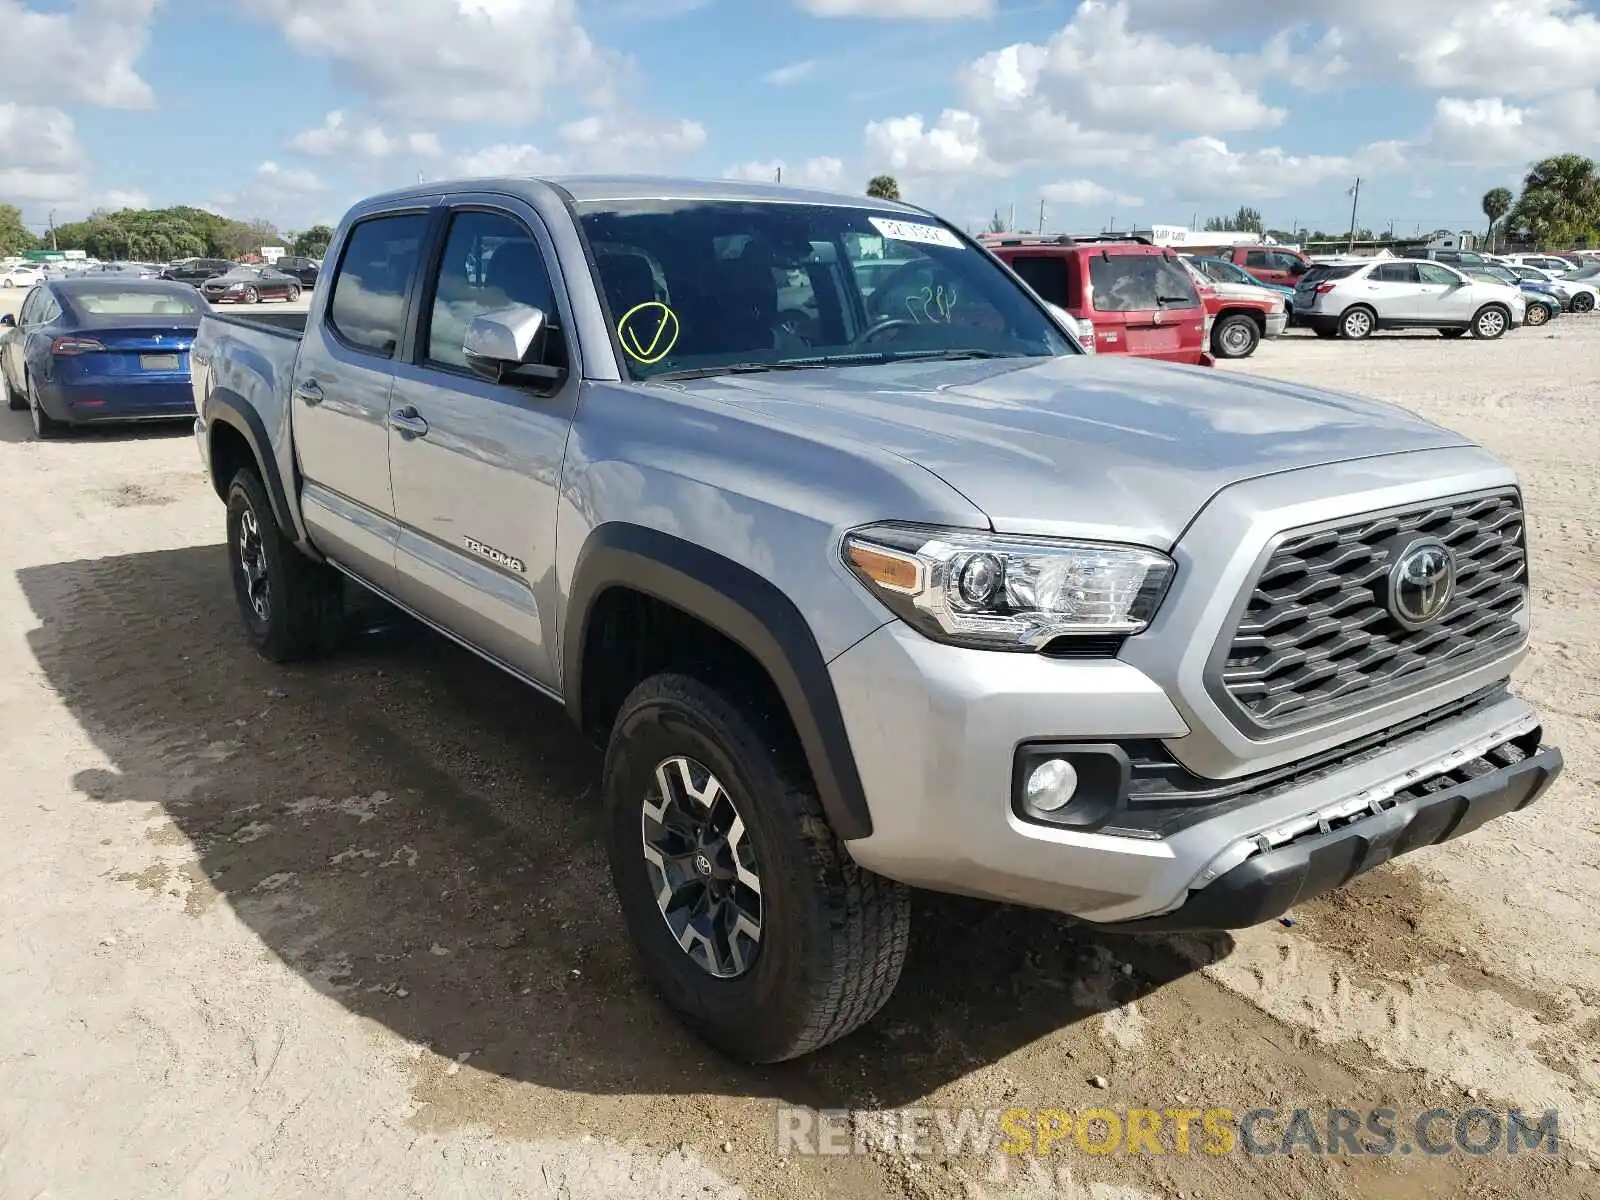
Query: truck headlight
x: 1001, y: 592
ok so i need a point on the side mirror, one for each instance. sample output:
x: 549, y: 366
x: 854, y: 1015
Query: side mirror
x: 509, y: 343
x: 7, y: 321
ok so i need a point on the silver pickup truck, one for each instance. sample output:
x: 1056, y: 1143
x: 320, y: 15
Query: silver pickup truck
x: 867, y: 577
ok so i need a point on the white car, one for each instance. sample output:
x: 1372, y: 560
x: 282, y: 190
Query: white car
x: 1577, y: 295
x: 24, y: 276
x: 1545, y: 262
x: 1355, y: 300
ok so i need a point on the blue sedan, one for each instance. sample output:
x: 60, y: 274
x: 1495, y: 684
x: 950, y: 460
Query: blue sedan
x: 100, y: 349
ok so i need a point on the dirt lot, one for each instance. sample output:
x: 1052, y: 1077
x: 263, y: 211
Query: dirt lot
x: 345, y: 930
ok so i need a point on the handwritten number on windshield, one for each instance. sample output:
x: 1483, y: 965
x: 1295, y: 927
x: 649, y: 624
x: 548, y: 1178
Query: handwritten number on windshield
x: 933, y: 305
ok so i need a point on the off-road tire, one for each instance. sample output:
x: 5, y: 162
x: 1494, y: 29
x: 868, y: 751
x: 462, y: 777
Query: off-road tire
x: 833, y: 936
x: 305, y: 599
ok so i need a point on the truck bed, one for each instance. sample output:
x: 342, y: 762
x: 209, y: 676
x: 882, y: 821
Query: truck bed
x: 280, y: 324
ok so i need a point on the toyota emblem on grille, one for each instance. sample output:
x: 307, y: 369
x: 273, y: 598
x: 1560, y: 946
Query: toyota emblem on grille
x: 1421, y: 583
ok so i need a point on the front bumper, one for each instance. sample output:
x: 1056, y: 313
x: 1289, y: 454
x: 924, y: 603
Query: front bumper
x: 935, y: 730
x: 1277, y: 323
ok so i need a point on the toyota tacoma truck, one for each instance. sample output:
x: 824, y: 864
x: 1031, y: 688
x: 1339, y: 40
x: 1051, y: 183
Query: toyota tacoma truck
x: 888, y: 586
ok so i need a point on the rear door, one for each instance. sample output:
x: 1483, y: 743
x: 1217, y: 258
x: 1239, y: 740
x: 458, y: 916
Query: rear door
x: 477, y: 465
x: 1395, y: 292
x: 1147, y: 302
x: 341, y: 391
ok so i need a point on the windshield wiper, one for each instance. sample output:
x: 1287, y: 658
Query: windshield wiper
x: 745, y: 368
x: 952, y: 355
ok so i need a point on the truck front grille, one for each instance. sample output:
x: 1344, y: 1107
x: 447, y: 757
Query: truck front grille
x: 1317, y: 634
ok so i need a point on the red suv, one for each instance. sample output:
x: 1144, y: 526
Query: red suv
x: 1136, y: 296
x: 1270, y: 264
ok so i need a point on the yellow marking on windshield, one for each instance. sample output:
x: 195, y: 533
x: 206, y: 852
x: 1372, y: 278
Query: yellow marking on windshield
x: 643, y: 342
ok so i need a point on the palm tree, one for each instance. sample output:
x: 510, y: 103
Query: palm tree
x: 883, y: 187
x: 1496, y: 204
x: 1560, y: 202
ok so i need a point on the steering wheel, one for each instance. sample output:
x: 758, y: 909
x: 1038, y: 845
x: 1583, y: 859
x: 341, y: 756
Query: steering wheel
x: 872, y: 331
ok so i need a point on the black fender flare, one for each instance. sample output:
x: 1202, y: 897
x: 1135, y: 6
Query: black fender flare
x: 747, y: 609
x: 225, y: 408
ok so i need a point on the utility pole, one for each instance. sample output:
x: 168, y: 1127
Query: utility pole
x: 1011, y: 225
x: 53, y: 245
x: 780, y: 175
x: 1356, y: 193
x: 1041, y: 217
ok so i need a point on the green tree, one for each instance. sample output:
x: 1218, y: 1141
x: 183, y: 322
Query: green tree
x: 313, y: 243
x: 997, y: 223
x: 1496, y: 204
x: 883, y: 187
x: 1245, y: 220
x: 1560, y: 202
x: 14, y: 235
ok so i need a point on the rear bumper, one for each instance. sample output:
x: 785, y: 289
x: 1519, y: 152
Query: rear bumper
x: 91, y: 401
x: 1270, y: 884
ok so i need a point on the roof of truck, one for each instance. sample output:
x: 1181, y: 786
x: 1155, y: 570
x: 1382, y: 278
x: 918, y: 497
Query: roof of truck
x: 585, y: 188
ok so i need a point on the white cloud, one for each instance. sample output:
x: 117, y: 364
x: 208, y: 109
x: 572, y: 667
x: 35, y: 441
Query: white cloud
x: 85, y: 54
x: 792, y: 72
x: 1085, y: 192
x: 1097, y: 73
x: 1205, y: 168
x: 614, y: 141
x: 120, y: 198
x: 40, y: 159
x: 450, y: 60
x: 291, y: 179
x: 952, y: 145
x: 825, y: 173
x: 923, y: 10
x: 1488, y: 131
x: 343, y: 137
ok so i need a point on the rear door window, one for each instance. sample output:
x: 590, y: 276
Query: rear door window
x: 368, y: 308
x: 1395, y: 273
x: 1045, y: 274
x: 1139, y: 282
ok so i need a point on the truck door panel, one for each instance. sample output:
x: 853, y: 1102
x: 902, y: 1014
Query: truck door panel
x: 476, y: 465
x: 341, y: 390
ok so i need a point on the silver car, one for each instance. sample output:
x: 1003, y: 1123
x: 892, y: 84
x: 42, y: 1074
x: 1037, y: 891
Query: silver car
x: 1578, y: 295
x: 1356, y: 300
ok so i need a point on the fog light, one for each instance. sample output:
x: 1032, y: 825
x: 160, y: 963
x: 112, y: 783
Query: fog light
x: 1052, y: 785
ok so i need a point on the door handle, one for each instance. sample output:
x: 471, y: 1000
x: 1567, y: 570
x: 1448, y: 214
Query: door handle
x: 309, y: 392
x: 408, y: 423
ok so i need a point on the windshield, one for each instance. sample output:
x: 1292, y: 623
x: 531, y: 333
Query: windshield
x: 1227, y: 272
x: 135, y: 304
x: 1499, y: 273
x: 704, y: 287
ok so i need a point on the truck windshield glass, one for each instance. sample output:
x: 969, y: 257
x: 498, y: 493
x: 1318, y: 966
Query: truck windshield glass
x: 711, y: 286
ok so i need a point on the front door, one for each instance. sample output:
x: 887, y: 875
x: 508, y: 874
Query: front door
x: 477, y: 465
x: 340, y: 395
x: 1395, y: 292
x: 1445, y: 295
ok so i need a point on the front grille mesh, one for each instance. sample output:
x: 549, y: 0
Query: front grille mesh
x: 1316, y: 632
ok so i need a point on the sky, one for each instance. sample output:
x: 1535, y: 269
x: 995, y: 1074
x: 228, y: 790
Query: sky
x: 1132, y: 112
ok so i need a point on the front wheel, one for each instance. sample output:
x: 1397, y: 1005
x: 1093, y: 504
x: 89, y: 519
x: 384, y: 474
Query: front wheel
x: 1583, y: 302
x: 292, y: 607
x: 1538, y: 314
x: 750, y: 917
x: 251, y: 296
x: 1490, y: 323
x: 15, y: 400
x: 1236, y: 336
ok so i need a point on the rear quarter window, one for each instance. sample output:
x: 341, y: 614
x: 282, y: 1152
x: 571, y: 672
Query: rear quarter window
x: 1139, y: 282
x: 1045, y: 274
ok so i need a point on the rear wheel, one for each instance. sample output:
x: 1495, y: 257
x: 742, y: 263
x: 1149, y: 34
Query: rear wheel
x: 45, y: 426
x: 1236, y: 336
x: 294, y: 294
x: 748, y: 913
x: 1490, y: 323
x: 1357, y: 323
x: 292, y: 607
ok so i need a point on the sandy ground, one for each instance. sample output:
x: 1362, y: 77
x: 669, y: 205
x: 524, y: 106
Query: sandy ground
x: 345, y: 930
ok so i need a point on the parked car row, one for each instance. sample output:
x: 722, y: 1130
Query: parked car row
x: 221, y: 279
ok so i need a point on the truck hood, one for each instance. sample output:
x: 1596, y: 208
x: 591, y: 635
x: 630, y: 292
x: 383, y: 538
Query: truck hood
x: 1264, y: 294
x: 1090, y: 446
